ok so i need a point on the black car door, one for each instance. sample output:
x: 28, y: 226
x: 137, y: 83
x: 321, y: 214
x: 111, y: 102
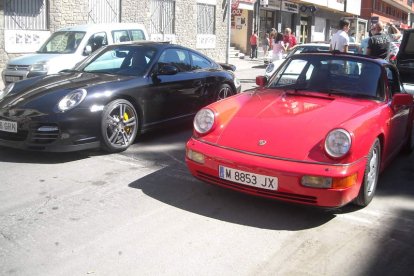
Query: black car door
x: 209, y: 70
x: 405, y: 57
x: 179, y: 89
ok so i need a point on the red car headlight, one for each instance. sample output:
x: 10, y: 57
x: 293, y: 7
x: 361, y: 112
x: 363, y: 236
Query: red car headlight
x: 204, y: 120
x: 338, y: 143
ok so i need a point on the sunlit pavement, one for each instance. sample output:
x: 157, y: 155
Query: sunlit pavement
x: 142, y: 213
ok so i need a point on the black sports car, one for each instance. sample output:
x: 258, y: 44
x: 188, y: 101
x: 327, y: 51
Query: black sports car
x: 111, y: 97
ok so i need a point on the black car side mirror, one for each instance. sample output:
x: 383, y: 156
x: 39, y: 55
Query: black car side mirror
x: 167, y: 70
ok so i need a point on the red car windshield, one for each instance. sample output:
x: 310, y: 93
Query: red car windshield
x: 330, y: 74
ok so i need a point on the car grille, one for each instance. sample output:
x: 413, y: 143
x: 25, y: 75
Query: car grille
x: 260, y: 192
x: 18, y: 67
x: 21, y: 135
x: 45, y: 134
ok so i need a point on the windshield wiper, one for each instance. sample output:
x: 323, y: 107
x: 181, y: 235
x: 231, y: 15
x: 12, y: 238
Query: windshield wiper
x: 69, y: 71
x: 348, y: 94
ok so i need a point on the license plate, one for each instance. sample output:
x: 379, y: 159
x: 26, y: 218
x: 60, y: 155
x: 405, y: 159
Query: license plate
x: 8, y: 126
x: 247, y: 178
x: 12, y: 78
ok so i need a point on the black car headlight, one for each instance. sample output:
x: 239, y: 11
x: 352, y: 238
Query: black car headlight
x: 6, y: 90
x: 72, y: 99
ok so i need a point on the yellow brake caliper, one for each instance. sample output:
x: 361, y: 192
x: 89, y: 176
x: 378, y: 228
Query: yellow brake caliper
x: 126, y: 117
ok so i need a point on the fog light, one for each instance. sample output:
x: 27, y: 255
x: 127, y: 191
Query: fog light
x: 345, y: 182
x: 195, y: 156
x: 316, y: 181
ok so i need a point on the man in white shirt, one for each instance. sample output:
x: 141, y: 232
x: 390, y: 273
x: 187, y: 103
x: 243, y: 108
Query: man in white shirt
x: 340, y: 40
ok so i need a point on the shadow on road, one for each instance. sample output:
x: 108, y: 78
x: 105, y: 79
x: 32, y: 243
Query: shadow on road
x: 175, y: 186
x: 22, y: 156
x: 398, y: 177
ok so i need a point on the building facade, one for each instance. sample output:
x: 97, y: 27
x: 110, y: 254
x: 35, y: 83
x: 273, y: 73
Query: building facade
x: 198, y: 24
x: 310, y: 20
x: 398, y: 12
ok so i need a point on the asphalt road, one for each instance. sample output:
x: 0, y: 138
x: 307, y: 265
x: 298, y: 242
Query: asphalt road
x: 141, y: 213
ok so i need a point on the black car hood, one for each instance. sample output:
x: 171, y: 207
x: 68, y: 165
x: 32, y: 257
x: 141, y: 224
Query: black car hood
x: 50, y: 89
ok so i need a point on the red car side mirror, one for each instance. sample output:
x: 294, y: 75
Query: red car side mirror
x: 261, y: 81
x: 402, y: 99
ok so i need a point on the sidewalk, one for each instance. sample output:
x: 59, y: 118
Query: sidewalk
x: 246, y: 63
x: 247, y: 70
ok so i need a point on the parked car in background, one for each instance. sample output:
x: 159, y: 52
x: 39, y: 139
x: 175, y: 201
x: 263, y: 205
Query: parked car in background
x: 319, y: 132
x: 108, y: 99
x: 300, y: 48
x: 68, y: 46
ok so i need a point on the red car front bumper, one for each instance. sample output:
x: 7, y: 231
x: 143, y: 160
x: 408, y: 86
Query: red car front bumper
x: 288, y: 173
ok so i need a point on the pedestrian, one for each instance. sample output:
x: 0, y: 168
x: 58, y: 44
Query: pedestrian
x: 278, y: 47
x: 266, y: 45
x: 379, y: 42
x: 352, y: 38
x: 272, y: 36
x: 364, y: 44
x: 340, y: 39
x: 394, y: 33
x: 395, y: 37
x: 253, y: 45
x: 289, y: 39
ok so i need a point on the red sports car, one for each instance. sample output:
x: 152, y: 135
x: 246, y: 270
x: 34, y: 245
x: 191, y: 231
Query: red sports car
x: 319, y: 132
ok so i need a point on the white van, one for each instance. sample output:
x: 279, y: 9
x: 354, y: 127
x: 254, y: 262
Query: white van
x: 67, y: 46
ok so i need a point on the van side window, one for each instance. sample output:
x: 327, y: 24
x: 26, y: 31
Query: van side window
x: 137, y: 35
x: 97, y: 40
x: 120, y: 36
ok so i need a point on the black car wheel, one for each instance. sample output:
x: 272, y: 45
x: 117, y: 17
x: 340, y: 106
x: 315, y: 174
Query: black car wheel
x: 119, y: 126
x: 369, y: 183
x: 224, y: 91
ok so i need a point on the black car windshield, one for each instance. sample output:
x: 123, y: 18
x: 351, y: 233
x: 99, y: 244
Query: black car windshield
x: 345, y: 76
x: 62, y: 43
x: 309, y: 48
x: 122, y: 60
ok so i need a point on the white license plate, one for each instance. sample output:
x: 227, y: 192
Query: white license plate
x: 8, y: 126
x: 247, y: 178
x: 12, y: 78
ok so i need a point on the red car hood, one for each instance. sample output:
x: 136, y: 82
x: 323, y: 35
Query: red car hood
x: 287, y: 126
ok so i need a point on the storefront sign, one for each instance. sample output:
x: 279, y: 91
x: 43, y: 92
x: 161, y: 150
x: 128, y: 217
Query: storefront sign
x: 337, y: 5
x: 274, y: 5
x: 236, y: 12
x: 24, y: 41
x: 206, y: 41
x: 290, y: 7
x: 234, y: 4
x: 374, y: 19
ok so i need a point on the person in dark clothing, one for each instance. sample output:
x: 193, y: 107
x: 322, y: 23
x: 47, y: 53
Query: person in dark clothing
x: 378, y: 43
